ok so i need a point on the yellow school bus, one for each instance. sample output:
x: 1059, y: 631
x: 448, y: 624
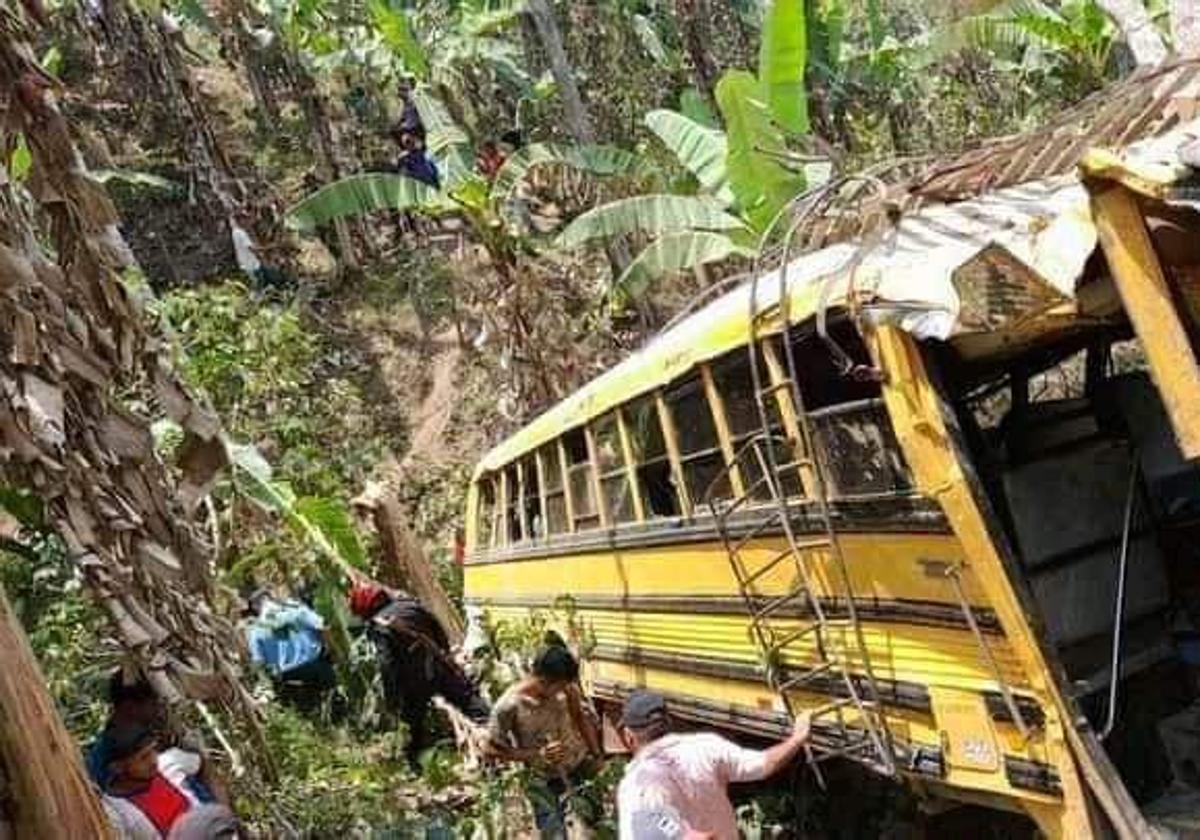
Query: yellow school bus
x: 934, y: 484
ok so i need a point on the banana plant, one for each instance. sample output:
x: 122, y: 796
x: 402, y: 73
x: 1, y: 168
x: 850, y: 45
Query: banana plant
x: 492, y: 209
x: 744, y: 175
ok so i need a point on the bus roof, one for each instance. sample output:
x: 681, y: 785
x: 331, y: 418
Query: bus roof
x: 985, y: 265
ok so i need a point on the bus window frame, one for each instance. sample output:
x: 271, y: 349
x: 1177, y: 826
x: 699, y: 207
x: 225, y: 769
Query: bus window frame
x: 623, y: 469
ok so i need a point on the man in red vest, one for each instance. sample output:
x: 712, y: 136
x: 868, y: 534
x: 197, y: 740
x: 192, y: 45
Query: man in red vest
x: 147, y: 793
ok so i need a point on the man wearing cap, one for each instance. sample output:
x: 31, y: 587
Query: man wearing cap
x: 688, y: 773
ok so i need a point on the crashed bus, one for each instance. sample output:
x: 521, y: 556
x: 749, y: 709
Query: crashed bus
x: 847, y: 486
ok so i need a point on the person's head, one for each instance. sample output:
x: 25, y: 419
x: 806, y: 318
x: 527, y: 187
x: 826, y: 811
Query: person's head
x: 404, y: 87
x: 367, y: 598
x: 133, y: 752
x: 206, y: 822
x: 644, y: 719
x: 258, y: 600
x: 132, y: 699
x: 553, y: 669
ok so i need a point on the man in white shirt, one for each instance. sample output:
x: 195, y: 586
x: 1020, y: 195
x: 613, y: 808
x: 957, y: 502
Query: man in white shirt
x: 688, y: 774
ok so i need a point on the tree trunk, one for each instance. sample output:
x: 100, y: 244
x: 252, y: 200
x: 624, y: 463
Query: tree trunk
x: 1137, y: 29
x: 47, y: 790
x: 404, y: 563
x: 693, y: 16
x: 579, y: 122
x: 325, y: 140
x: 1185, y: 27
x: 75, y: 337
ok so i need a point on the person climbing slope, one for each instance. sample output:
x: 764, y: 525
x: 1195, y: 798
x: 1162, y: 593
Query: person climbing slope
x: 414, y: 661
x: 289, y: 640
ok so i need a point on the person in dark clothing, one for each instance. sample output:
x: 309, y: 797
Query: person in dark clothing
x: 414, y: 662
x: 409, y: 134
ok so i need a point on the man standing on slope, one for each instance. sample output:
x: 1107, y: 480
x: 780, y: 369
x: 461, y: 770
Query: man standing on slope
x: 688, y: 774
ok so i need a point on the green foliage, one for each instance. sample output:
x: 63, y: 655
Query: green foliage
x: 781, y: 63
x: 21, y: 160
x: 332, y: 781
x: 603, y: 161
x: 323, y: 522
x: 761, y: 184
x: 672, y: 253
x: 1074, y: 40
x: 700, y: 149
x: 64, y: 628
x: 447, y: 143
x: 393, y: 25
x: 358, y: 195
x: 695, y: 107
x: 649, y: 214
x: 650, y: 40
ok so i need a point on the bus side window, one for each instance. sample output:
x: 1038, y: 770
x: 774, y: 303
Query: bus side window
x: 556, y: 500
x: 614, y: 477
x: 534, y: 523
x: 654, y: 479
x: 485, y: 513
x: 699, y: 447
x: 853, y: 432
x: 512, y: 505
x: 579, y: 481
x: 735, y: 382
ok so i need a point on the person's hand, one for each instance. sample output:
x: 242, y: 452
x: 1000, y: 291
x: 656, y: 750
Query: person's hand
x: 553, y: 753
x: 802, y: 728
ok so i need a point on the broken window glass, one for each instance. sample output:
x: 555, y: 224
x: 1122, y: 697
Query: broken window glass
x: 853, y: 433
x: 579, y: 481
x: 655, y: 480
x: 533, y: 499
x: 556, y: 501
x: 614, y: 477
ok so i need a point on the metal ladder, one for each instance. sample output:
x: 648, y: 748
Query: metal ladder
x: 852, y: 725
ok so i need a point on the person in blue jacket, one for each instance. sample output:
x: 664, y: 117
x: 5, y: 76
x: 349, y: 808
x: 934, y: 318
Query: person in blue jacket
x: 288, y: 639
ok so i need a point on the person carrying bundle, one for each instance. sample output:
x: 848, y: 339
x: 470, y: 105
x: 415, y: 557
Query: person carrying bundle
x: 414, y: 661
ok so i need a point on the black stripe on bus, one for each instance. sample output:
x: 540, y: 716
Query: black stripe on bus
x: 768, y: 724
x: 902, y: 514
x: 891, y: 611
x: 900, y: 694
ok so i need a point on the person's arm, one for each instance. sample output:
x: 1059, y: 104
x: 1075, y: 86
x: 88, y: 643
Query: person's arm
x: 585, y: 724
x: 781, y: 755
x: 500, y: 740
x: 742, y: 765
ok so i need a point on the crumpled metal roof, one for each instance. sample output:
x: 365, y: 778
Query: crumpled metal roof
x: 983, y: 265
